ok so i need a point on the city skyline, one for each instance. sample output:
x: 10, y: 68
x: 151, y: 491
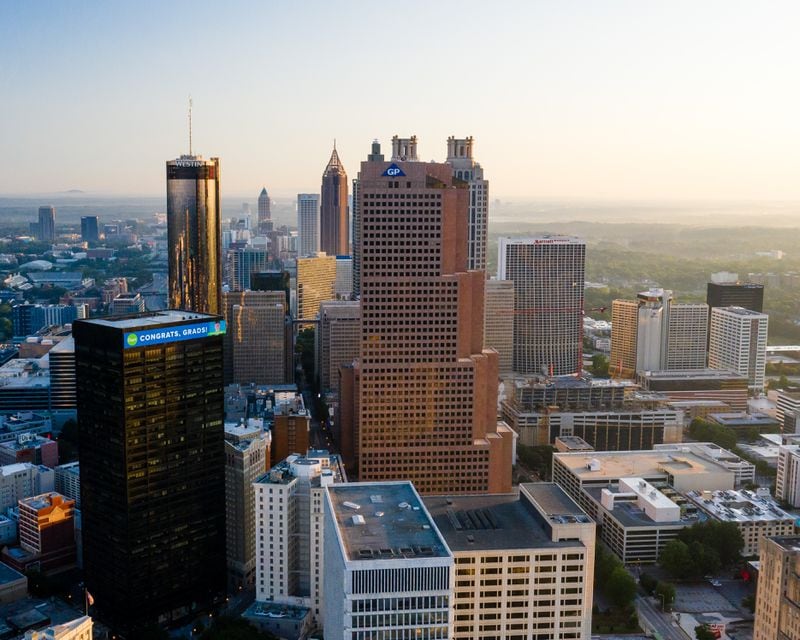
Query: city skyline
x: 628, y: 101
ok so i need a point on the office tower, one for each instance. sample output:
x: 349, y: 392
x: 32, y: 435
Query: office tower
x: 381, y: 548
x: 338, y: 340
x: 334, y: 214
x: 374, y: 156
x: 90, y: 231
x: 777, y: 613
x: 687, y: 336
x: 738, y: 342
x: 289, y: 513
x: 427, y: 394
x: 272, y: 281
x: 316, y: 279
x: 291, y: 427
x: 498, y: 327
x: 624, y: 334
x: 27, y: 319
x: 747, y: 295
x: 152, y: 464
x: 518, y: 549
x: 654, y: 333
x: 242, y: 264
x: 62, y: 375
x: 548, y: 275
x: 308, y: 224
x: 46, y: 230
x: 459, y: 156
x: 264, y: 214
x: 343, y: 288
x: 246, y: 459
x: 194, y: 234
x: 256, y: 337
x: 787, y: 480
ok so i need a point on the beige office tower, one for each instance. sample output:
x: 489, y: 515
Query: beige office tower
x: 498, y: 327
x: 427, y: 392
x: 778, y: 597
x: 459, y: 156
x: 316, y: 280
x: 338, y: 340
x: 687, y: 336
x: 624, y: 327
x: 256, y: 337
x: 246, y: 459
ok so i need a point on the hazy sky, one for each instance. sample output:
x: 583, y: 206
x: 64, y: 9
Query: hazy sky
x: 607, y: 99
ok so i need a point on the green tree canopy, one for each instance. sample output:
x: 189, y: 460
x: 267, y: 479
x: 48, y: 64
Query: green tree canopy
x: 675, y: 559
x: 620, y: 588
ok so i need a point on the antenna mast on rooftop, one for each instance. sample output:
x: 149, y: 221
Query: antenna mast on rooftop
x: 190, y: 125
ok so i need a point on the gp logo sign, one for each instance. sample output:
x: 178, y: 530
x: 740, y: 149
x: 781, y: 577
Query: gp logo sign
x: 393, y: 171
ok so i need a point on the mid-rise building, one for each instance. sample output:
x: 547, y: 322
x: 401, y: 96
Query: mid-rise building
x: 46, y: 228
x: 316, y: 278
x: 27, y: 319
x: 738, y: 342
x: 78, y: 629
x: 747, y: 295
x: 90, y: 230
x: 459, y: 156
x: 29, y: 447
x: 258, y: 337
x: 152, y: 465
x: 242, y: 264
x: 22, y: 480
x: 343, y: 287
x: 62, y: 375
x: 426, y: 388
x: 334, y: 210
x: 778, y: 596
x: 382, y: 548
x: 291, y: 427
x: 514, y: 553
x: 68, y: 481
x: 548, y: 277
x: 46, y: 534
x: 787, y: 405
x: 308, y: 224
x: 246, y: 459
x: 700, y: 384
x: 289, y: 525
x: 498, y: 318
x: 787, y: 480
x: 755, y: 513
x: 194, y: 234
x: 338, y: 340
x: 127, y: 303
x: 687, y: 336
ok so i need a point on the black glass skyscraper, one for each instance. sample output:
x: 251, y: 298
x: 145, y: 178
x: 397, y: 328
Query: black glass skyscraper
x: 150, y: 410
x: 89, y: 229
x: 736, y: 294
x: 194, y: 234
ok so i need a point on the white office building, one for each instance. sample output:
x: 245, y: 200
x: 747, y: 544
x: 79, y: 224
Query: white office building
x: 738, y: 342
x: 289, y: 525
x: 308, y: 224
x: 387, y: 567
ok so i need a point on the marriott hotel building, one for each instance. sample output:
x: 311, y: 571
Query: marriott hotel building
x: 150, y: 410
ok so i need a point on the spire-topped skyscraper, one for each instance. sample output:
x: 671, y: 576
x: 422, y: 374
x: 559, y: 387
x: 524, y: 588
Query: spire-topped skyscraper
x: 334, y: 213
x: 264, y: 213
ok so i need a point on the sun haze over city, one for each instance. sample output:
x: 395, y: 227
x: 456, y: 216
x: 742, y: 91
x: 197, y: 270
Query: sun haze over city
x: 622, y: 100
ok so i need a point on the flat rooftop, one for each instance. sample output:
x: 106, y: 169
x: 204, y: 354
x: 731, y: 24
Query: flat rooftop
x: 739, y: 506
x: 150, y: 320
x: 599, y: 465
x: 555, y: 503
x: 276, y: 611
x: 384, y: 521
x: 7, y: 574
x: 318, y: 463
x: 789, y: 543
x: 743, y: 419
x: 741, y: 311
x: 629, y: 514
x: 496, y: 521
x: 690, y: 374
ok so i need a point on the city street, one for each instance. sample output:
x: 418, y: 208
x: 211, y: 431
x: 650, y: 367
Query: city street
x: 652, y: 619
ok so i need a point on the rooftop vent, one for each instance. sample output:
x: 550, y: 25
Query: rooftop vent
x: 351, y: 505
x: 358, y: 520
